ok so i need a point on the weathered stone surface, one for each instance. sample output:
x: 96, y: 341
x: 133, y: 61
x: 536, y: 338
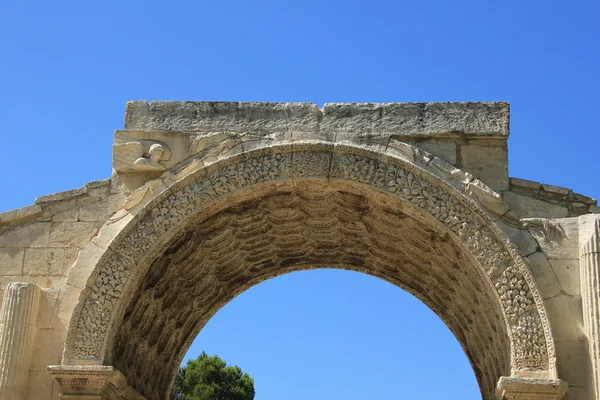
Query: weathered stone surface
x: 11, y: 261
x: 478, y: 119
x: 100, y: 211
x: 40, y: 387
x: 488, y: 162
x: 444, y: 149
x: 31, y: 235
x: 527, y: 207
x: 19, y: 215
x: 567, y: 273
x: 522, y: 238
x: 566, y: 309
x: 575, y: 204
x: 67, y: 194
x: 572, y: 354
x: 544, y: 275
x: 524, y: 183
x: 48, y: 261
x: 72, y: 234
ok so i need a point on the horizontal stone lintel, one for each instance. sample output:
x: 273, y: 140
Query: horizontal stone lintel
x: 475, y: 119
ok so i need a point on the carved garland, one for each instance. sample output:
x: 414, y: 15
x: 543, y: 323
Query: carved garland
x: 527, y: 331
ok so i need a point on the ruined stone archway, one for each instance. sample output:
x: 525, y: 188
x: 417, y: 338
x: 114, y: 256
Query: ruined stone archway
x: 342, y: 206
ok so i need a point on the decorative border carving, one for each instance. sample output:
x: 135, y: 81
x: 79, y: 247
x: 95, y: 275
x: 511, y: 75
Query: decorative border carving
x: 530, y: 389
x: 531, y: 340
x: 97, y: 380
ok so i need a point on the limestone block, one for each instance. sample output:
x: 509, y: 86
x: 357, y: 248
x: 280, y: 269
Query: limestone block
x: 61, y: 196
x: 218, y: 116
x: 418, y: 119
x: 41, y: 386
x: 48, y: 348
x: 49, y: 261
x: 444, y: 149
x: 577, y: 393
x: 555, y: 189
x: 80, y: 271
x: 527, y: 207
x: 565, y: 313
x: 32, y: 235
x: 572, y: 355
x: 71, y: 214
x: 67, y: 300
x: 11, y: 261
x: 487, y: 162
x: 101, y: 210
x: 479, y: 119
x: 20, y: 215
x: 98, y: 189
x: 524, y: 183
x: 72, y: 234
x: 48, y: 304
x: 567, y: 273
x: 545, y: 278
x: 61, y: 210
x: 521, y: 238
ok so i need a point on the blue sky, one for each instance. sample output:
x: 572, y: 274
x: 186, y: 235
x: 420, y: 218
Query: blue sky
x: 69, y: 67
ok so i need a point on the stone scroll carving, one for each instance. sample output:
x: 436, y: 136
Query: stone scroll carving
x: 140, y: 156
x: 527, y: 323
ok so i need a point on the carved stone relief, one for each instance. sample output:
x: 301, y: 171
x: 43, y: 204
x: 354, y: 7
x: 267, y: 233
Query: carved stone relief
x: 140, y: 156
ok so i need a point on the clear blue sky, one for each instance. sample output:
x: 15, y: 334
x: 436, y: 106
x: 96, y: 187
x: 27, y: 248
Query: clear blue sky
x: 67, y: 69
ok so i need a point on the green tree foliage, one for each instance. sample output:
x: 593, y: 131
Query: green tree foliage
x: 209, y: 378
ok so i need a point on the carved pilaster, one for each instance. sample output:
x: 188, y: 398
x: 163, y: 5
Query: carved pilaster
x: 590, y: 297
x: 510, y: 388
x: 17, y: 335
x: 92, y: 382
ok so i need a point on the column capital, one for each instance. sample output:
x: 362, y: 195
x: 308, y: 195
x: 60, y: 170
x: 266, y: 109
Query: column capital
x: 97, y: 382
x: 510, y: 388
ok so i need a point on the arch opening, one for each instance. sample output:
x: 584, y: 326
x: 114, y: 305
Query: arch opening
x: 305, y: 225
x: 325, y: 334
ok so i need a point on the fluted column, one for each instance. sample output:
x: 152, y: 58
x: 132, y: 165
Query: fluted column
x: 590, y: 297
x: 17, y: 335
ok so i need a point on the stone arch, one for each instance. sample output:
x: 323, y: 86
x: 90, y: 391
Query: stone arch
x: 479, y: 284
